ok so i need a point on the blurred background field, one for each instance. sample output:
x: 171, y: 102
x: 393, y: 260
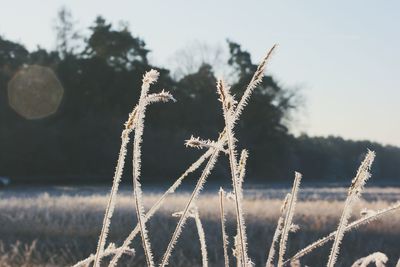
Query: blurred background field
x: 63, y: 224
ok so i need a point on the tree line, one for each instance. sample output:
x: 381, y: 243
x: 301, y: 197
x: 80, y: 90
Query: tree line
x: 101, y: 75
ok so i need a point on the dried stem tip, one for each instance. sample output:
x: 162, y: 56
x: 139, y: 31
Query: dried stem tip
x: 363, y: 174
x: 196, y: 142
x: 163, y: 96
x: 228, y: 101
x: 150, y: 77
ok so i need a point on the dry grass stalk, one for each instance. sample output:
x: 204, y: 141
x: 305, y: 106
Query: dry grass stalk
x: 365, y: 220
x: 194, y: 213
x: 228, y: 106
x: 275, y: 239
x: 223, y: 220
x: 196, y: 142
x: 378, y: 258
x: 236, y: 251
x: 158, y: 204
x: 110, y: 250
x: 257, y: 78
x: 354, y: 193
x: 148, y: 79
x: 114, y: 190
x: 130, y: 125
x: 277, y: 233
x: 163, y: 96
x: 291, y: 205
x: 255, y: 81
x: 202, y: 238
x: 182, y: 220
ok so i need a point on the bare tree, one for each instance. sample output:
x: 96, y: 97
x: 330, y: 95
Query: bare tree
x: 189, y: 59
x: 67, y: 35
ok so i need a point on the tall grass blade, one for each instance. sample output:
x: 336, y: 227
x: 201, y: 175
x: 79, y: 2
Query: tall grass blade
x: 225, y: 243
x: 277, y: 233
x: 288, y: 218
x: 182, y: 220
x: 148, y: 79
x: 130, y: 125
x: 202, y: 238
x: 257, y: 78
x: 158, y: 204
x: 228, y: 105
x: 364, y: 220
x: 353, y: 194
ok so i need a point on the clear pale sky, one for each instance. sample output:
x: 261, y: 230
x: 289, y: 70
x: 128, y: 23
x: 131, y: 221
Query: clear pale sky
x: 344, y: 55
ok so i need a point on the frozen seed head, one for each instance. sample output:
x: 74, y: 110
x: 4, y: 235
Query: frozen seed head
x: 196, y: 142
x: 259, y: 74
x: 363, y: 174
x: 225, y: 96
x: 163, y: 96
x: 150, y: 77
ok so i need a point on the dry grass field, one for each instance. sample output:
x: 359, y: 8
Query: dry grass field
x: 59, y: 226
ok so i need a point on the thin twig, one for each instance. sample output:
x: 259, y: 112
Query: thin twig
x: 277, y: 233
x: 288, y: 218
x: 223, y: 220
x: 364, y: 220
x: 354, y: 193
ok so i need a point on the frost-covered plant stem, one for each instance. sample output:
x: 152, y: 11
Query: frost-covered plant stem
x: 353, y: 194
x: 129, y: 127
x: 378, y: 258
x: 364, y: 220
x: 255, y: 81
x: 202, y: 238
x: 288, y: 218
x: 277, y: 233
x: 223, y: 231
x: 149, y: 78
x: 228, y: 105
x: 194, y: 213
x: 182, y: 220
x: 107, y: 252
x: 112, y: 198
x: 158, y: 204
x: 275, y: 240
x: 257, y: 78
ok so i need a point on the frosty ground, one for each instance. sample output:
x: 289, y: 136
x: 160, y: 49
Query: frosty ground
x: 63, y: 223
